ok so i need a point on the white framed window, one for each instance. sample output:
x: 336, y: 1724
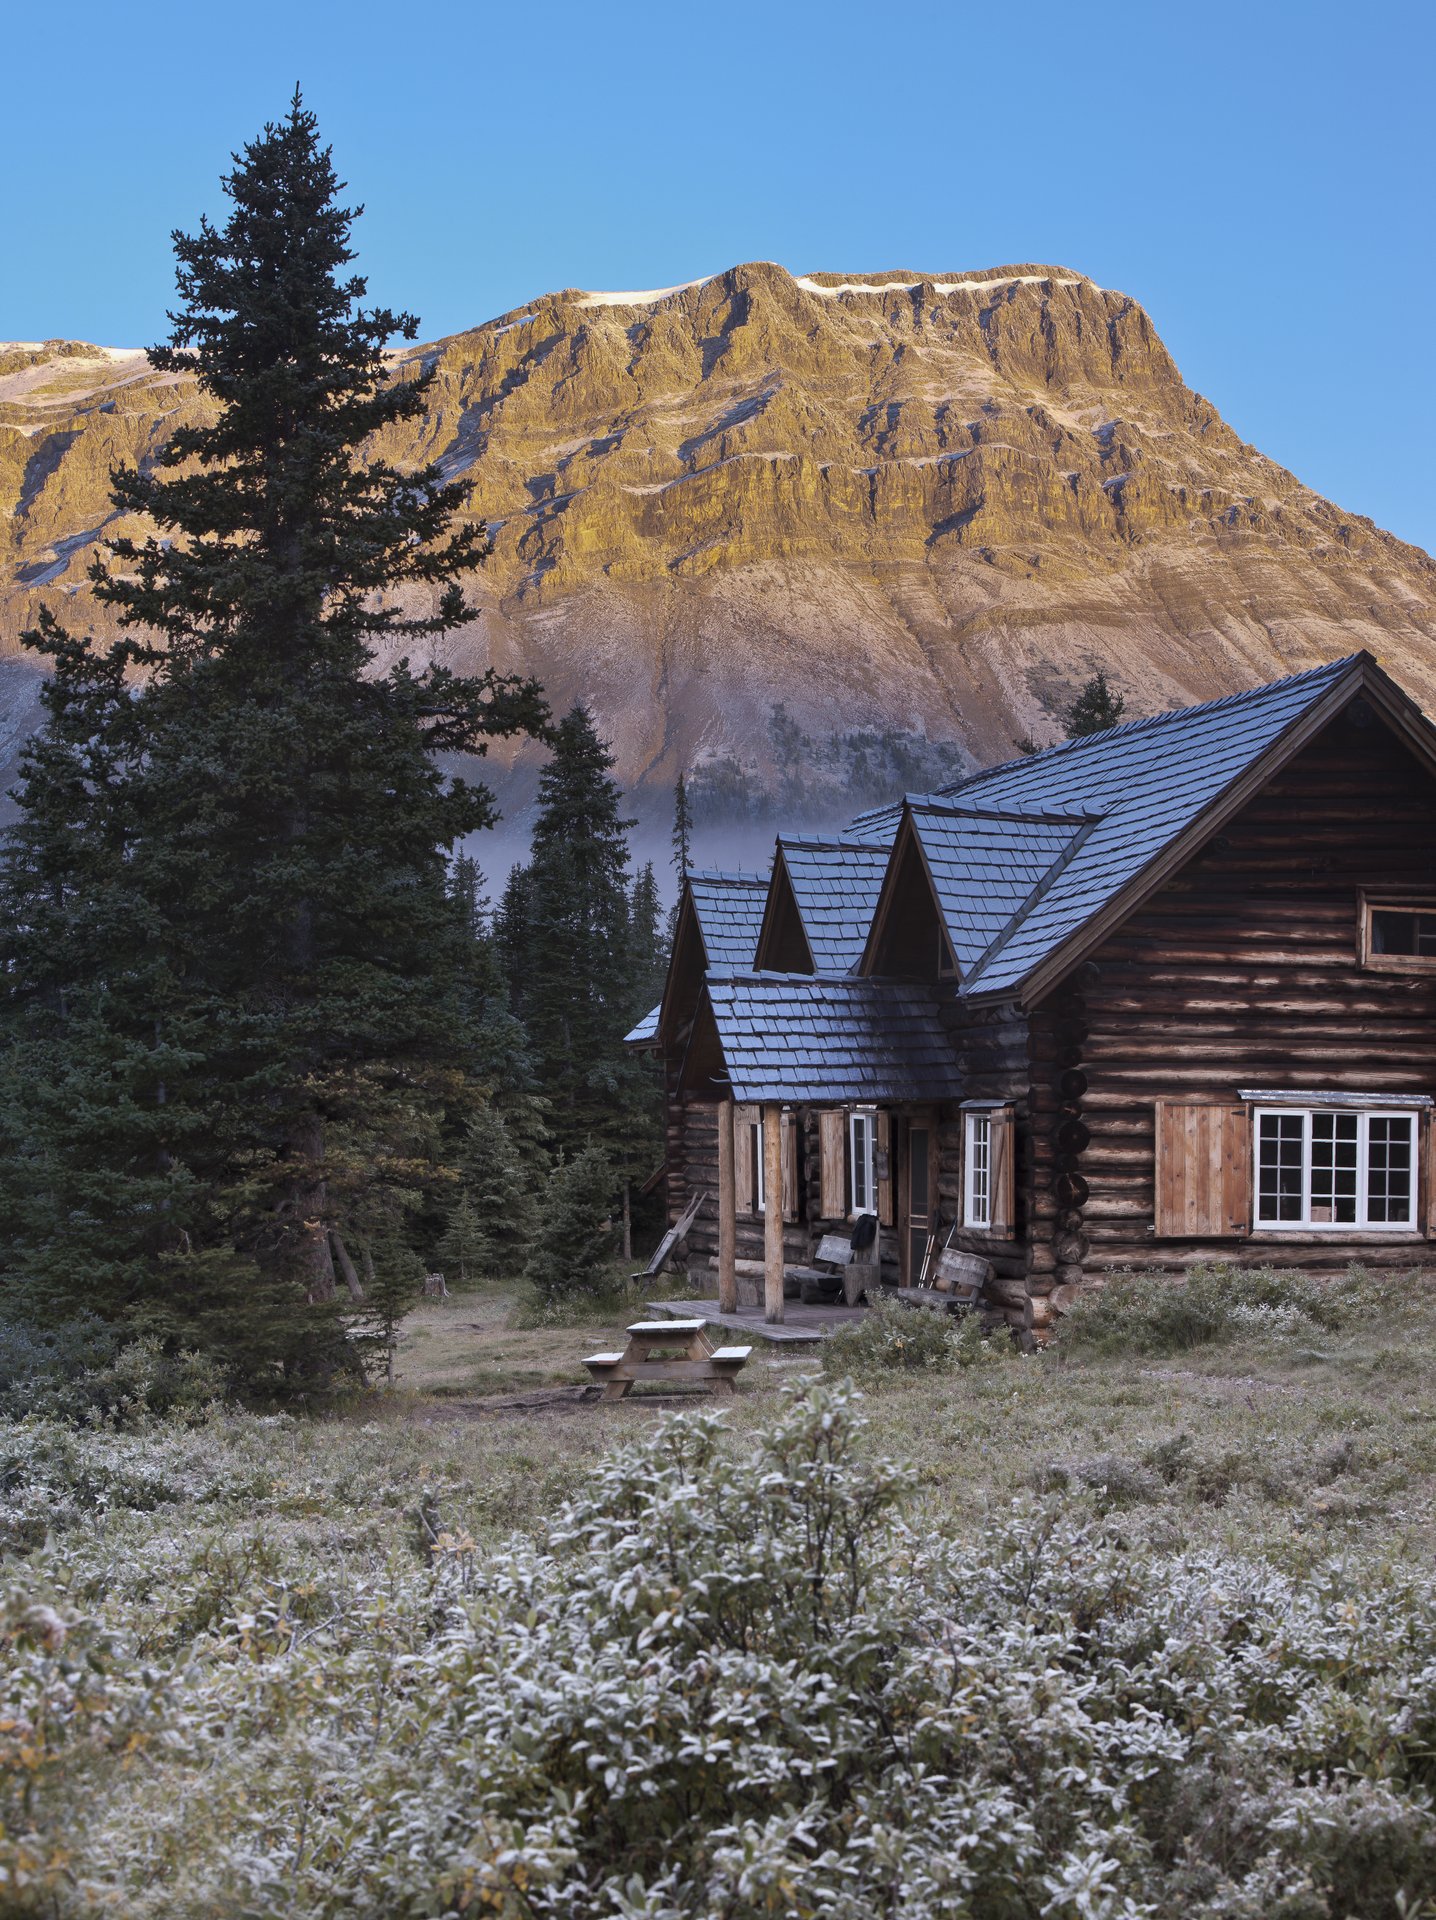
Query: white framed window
x: 760, y: 1172
x: 1329, y: 1169
x: 977, y: 1170
x: 862, y: 1161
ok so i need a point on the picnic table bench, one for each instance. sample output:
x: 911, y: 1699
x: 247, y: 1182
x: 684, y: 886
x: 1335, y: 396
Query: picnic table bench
x: 668, y: 1350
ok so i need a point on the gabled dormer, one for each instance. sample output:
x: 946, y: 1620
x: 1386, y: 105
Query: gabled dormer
x: 716, y: 926
x: 908, y: 940
x: 783, y: 945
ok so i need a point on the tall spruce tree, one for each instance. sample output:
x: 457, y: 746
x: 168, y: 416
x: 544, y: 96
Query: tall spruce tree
x: 566, y: 939
x: 682, y: 830
x: 233, y: 960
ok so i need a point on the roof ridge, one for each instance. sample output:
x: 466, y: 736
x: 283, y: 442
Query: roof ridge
x: 1157, y: 720
x: 1058, y: 816
x: 717, y: 876
x: 816, y: 845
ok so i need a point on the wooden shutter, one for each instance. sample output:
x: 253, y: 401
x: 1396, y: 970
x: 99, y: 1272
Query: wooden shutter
x: 833, y: 1164
x: 1429, y: 1122
x: 1203, y: 1171
x: 1001, y: 1154
x: 790, y: 1167
x: 883, y: 1166
x: 744, y: 1165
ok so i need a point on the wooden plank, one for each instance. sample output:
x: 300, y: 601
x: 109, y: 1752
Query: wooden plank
x: 1003, y: 1141
x: 667, y: 1370
x: 833, y: 1172
x: 790, y: 1168
x: 773, y: 1217
x: 1202, y: 1183
x: 727, y: 1212
x: 745, y: 1186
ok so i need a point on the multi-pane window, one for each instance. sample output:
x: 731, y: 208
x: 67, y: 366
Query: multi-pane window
x: 1398, y: 937
x: 1401, y: 931
x: 862, y: 1160
x: 1337, y: 1167
x: 977, y: 1177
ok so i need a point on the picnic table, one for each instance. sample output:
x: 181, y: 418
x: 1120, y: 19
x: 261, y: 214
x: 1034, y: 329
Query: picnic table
x: 668, y: 1350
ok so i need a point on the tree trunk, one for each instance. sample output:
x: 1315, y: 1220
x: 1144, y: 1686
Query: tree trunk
x: 346, y: 1265
x: 627, y: 1225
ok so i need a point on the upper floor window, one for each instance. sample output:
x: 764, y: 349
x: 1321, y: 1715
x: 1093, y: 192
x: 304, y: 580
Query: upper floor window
x: 1398, y: 936
x: 1336, y: 1168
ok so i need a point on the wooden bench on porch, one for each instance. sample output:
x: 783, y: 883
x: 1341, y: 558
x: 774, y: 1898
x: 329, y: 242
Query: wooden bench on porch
x: 668, y: 1350
x: 957, y: 1283
x: 835, y: 1272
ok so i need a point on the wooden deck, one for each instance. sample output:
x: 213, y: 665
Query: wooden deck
x: 802, y: 1326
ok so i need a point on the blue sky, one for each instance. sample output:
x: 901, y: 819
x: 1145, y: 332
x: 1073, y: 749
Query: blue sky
x: 1260, y: 176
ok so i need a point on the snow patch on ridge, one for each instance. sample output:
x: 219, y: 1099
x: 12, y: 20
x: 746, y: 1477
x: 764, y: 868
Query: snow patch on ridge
x: 941, y: 287
x: 640, y: 299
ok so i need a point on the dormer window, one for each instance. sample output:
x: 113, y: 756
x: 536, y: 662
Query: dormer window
x: 1398, y: 936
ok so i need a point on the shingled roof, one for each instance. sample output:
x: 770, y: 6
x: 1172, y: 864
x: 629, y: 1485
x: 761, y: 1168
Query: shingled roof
x: 730, y: 912
x: 805, y: 1037
x: 987, y: 867
x: 1150, y: 782
x: 836, y: 884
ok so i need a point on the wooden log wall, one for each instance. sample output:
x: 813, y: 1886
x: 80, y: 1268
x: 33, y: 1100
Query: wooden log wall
x: 991, y: 1044
x: 1243, y: 972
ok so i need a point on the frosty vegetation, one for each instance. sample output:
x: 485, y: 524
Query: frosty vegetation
x: 248, y: 1674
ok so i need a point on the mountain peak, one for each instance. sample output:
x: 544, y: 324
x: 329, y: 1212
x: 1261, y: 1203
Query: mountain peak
x: 924, y: 505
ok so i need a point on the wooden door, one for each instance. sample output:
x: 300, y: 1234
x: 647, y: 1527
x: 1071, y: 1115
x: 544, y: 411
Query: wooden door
x: 919, y: 1199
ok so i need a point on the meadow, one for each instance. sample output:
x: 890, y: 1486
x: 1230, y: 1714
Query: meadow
x: 918, y: 1626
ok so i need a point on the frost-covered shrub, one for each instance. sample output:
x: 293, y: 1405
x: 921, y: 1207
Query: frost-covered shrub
x: 730, y: 1681
x: 80, y: 1370
x: 892, y: 1338
x: 38, y: 1364
x: 1159, y: 1313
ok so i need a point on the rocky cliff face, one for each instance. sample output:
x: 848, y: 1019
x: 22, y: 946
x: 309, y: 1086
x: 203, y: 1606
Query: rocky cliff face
x: 927, y: 506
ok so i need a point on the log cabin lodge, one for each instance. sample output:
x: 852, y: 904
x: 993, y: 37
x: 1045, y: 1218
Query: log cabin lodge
x: 1161, y: 995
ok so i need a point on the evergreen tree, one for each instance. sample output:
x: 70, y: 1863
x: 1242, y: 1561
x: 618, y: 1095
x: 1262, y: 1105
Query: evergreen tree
x: 234, y: 964
x: 466, y: 1248
x: 639, y: 1091
x: 500, y: 1184
x: 575, y: 1231
x: 1095, y: 709
x: 499, y: 1065
x: 566, y: 938
x: 682, y: 830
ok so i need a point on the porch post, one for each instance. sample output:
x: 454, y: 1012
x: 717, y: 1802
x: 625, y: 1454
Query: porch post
x: 727, y: 1212
x: 772, y: 1213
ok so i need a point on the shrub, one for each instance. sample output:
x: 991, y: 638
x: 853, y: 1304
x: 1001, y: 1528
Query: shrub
x: 730, y: 1680
x: 891, y: 1338
x: 1159, y: 1313
x: 38, y: 1363
x: 78, y: 1370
